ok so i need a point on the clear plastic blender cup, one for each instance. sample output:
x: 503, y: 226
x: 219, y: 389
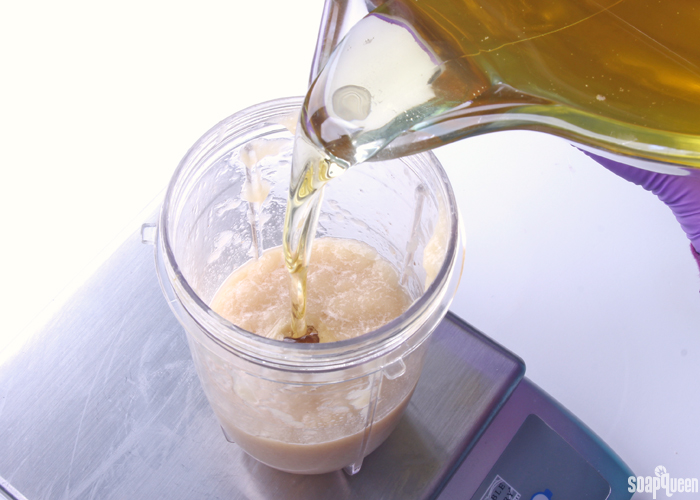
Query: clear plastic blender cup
x: 304, y: 408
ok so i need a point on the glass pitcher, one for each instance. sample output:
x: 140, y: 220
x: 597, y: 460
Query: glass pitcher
x: 620, y: 78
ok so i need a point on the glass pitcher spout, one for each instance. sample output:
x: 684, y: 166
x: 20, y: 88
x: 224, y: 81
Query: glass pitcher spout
x: 617, y: 77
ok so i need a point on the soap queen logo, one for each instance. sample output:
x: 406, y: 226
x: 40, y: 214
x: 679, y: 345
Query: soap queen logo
x: 662, y: 481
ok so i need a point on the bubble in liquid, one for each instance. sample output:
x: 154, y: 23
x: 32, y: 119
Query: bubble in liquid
x: 352, y: 102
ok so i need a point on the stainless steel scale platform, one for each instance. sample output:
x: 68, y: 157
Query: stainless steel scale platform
x: 104, y: 403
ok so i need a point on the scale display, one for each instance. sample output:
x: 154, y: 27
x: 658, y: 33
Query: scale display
x: 538, y: 464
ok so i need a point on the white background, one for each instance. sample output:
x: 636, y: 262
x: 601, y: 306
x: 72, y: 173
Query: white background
x: 586, y: 277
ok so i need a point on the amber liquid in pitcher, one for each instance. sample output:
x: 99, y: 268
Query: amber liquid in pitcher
x: 617, y: 75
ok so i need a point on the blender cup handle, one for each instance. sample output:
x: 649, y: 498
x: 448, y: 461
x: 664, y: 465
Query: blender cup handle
x: 337, y: 19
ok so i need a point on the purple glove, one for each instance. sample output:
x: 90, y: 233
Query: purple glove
x: 680, y: 193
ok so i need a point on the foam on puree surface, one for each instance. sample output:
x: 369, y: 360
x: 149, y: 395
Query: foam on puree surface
x: 351, y: 290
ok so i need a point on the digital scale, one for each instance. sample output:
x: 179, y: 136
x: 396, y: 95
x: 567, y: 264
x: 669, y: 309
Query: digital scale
x: 103, y: 402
